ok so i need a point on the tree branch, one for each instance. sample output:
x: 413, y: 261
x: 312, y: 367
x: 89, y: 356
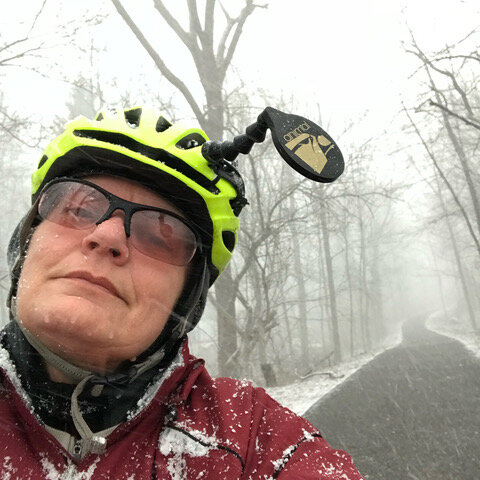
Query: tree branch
x: 25, y: 53
x: 456, y: 115
x: 421, y: 55
x: 205, y: 36
x: 445, y: 180
x: 240, y: 21
x: 166, y: 72
x: 11, y: 130
x: 174, y: 25
x: 195, y: 27
x: 36, y: 17
x: 209, y: 22
x: 455, y: 57
x: 12, y: 44
x: 223, y: 40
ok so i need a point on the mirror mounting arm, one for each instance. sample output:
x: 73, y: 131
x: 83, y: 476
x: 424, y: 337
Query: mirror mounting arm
x: 305, y: 146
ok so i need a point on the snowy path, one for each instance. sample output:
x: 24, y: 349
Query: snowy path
x: 412, y: 413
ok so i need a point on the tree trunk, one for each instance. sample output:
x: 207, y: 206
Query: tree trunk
x: 331, y: 288
x: 364, y: 293
x: 350, y: 288
x: 458, y: 261
x: 461, y: 156
x: 226, y: 327
x: 288, y: 328
x: 439, y: 279
x: 212, y: 64
x: 378, y: 322
x: 302, y: 296
x: 323, y: 296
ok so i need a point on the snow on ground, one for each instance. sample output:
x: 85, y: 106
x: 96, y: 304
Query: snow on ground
x: 459, y: 329
x: 301, y: 395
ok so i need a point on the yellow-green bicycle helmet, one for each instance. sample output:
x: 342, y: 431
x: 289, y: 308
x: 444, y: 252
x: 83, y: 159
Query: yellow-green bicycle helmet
x: 141, y: 144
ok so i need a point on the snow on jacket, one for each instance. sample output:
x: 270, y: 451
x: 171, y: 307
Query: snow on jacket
x: 186, y: 426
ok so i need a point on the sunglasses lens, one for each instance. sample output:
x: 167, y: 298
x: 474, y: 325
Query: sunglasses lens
x: 163, y: 237
x: 156, y: 234
x: 72, y: 204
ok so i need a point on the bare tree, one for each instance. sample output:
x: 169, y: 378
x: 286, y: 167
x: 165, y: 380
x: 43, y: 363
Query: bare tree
x: 212, y: 62
x: 455, y: 104
x: 15, y: 53
x: 29, y: 50
x: 446, y: 121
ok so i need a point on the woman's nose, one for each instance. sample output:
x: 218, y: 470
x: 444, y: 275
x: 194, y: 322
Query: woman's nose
x: 108, y: 238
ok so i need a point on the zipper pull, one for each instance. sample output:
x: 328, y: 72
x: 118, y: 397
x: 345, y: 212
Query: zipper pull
x: 77, y: 449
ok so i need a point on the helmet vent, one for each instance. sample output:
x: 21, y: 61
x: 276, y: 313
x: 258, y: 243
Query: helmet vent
x: 133, y: 117
x: 228, y: 238
x: 190, y: 141
x: 162, y: 124
x: 99, y: 117
x: 42, y: 161
x: 157, y: 154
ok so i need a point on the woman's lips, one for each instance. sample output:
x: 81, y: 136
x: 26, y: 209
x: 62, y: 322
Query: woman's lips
x: 100, y: 281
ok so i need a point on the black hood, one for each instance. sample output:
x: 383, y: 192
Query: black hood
x: 184, y: 317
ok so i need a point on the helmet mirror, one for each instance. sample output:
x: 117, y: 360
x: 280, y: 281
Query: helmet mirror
x: 304, y: 145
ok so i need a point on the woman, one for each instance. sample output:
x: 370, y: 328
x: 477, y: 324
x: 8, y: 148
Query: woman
x: 110, y: 269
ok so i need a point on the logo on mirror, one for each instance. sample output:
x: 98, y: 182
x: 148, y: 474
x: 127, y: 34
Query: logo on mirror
x: 311, y: 149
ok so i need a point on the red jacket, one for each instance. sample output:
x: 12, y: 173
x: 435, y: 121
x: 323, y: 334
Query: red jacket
x: 188, y: 426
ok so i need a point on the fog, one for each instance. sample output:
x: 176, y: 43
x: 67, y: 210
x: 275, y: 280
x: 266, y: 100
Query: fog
x: 322, y: 273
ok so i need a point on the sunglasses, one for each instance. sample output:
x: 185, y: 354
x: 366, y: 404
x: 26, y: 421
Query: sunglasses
x: 155, y: 232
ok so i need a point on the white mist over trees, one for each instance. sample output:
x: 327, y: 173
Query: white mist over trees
x: 450, y: 107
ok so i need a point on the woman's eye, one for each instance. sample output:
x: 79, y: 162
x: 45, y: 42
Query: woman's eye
x: 155, y: 238
x: 78, y: 211
x: 158, y: 239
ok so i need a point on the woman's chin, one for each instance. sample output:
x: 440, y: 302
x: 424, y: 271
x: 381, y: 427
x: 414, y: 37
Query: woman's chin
x: 79, y: 331
x: 75, y: 323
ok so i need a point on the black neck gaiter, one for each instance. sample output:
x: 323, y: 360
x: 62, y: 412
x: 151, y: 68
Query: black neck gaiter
x: 52, y: 401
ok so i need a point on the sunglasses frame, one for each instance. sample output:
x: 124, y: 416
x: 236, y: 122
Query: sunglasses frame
x: 128, y: 208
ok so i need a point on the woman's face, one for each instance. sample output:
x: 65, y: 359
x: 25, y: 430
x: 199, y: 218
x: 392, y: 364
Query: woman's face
x: 90, y: 296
